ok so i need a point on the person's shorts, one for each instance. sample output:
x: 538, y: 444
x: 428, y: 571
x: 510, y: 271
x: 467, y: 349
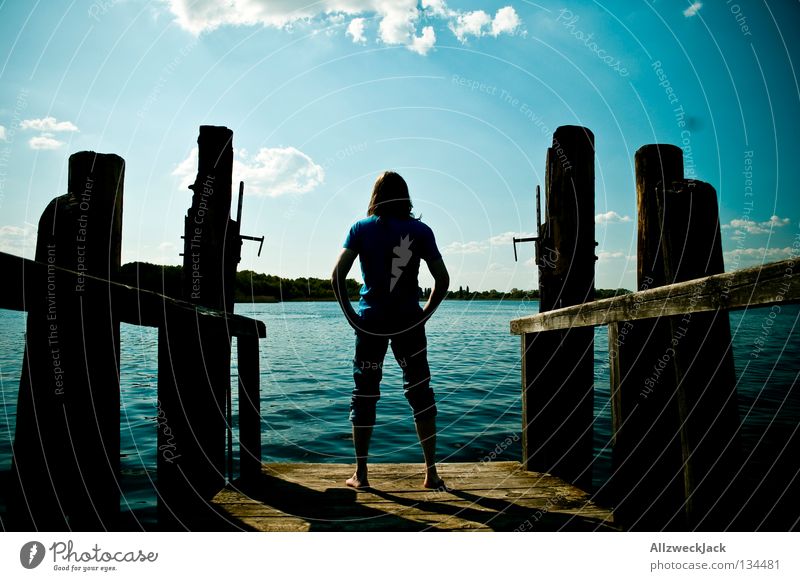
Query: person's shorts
x: 410, y: 351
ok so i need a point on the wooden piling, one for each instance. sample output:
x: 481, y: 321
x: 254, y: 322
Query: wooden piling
x: 194, y: 358
x: 675, y: 421
x: 646, y: 482
x: 558, y: 366
x: 66, y: 447
x: 702, y: 360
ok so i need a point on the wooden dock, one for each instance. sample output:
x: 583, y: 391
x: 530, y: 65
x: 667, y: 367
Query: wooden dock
x: 490, y: 496
x: 677, y: 460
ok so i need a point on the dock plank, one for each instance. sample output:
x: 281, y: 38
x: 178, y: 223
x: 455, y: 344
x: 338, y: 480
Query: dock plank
x: 492, y: 496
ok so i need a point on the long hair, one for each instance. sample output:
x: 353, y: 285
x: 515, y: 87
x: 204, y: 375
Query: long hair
x: 390, y: 197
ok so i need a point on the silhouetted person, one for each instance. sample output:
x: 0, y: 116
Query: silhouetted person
x: 390, y: 243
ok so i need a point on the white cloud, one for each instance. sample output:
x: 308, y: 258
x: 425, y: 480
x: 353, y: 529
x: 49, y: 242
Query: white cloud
x: 756, y: 255
x: 48, y: 124
x: 272, y: 171
x: 472, y: 247
x: 479, y: 246
x: 473, y: 23
x: 3, y: 134
x: 605, y: 255
x: 185, y: 171
x: 398, y: 20
x: 478, y: 23
x: 752, y: 227
x: 19, y: 241
x: 355, y: 30
x: 693, y: 9
x: 507, y: 238
x: 44, y: 141
x: 436, y: 7
x: 279, y: 170
x: 398, y: 23
x: 506, y: 21
x: 422, y: 44
x: 610, y: 217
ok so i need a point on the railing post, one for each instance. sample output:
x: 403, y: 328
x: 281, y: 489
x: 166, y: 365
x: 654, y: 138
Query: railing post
x: 66, y: 446
x: 249, y: 408
x: 557, y: 366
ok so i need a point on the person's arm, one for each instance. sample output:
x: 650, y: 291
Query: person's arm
x: 339, y: 282
x: 441, y: 282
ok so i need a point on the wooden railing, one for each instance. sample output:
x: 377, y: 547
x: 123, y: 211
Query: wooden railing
x: 66, y: 452
x: 676, y: 450
x: 24, y: 284
x: 761, y: 286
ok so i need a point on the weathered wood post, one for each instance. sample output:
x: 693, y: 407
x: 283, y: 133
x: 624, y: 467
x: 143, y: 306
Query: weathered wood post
x: 702, y: 359
x: 249, y: 408
x: 646, y: 482
x: 558, y: 366
x: 675, y: 420
x: 194, y: 360
x: 66, y: 447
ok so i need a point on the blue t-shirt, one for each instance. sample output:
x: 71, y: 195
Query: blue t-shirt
x: 390, y: 250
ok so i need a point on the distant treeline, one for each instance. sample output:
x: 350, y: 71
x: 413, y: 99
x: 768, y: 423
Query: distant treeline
x: 250, y: 286
x: 464, y: 294
x: 266, y: 288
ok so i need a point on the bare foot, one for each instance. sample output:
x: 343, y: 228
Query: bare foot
x: 434, y: 482
x: 357, y: 481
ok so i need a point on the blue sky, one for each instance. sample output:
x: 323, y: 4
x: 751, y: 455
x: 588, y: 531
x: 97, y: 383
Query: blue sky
x: 459, y: 97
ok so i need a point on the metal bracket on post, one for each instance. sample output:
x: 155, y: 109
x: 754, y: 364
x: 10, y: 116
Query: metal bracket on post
x: 538, y: 226
x: 530, y: 239
x: 259, y: 239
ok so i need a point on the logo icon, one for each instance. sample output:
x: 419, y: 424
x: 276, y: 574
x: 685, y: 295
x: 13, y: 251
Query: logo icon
x: 402, y: 254
x: 31, y: 554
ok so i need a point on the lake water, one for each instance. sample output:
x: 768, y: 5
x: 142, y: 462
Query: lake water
x: 475, y: 365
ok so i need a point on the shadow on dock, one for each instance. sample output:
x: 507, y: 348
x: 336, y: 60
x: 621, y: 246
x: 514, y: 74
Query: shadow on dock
x: 497, y: 496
